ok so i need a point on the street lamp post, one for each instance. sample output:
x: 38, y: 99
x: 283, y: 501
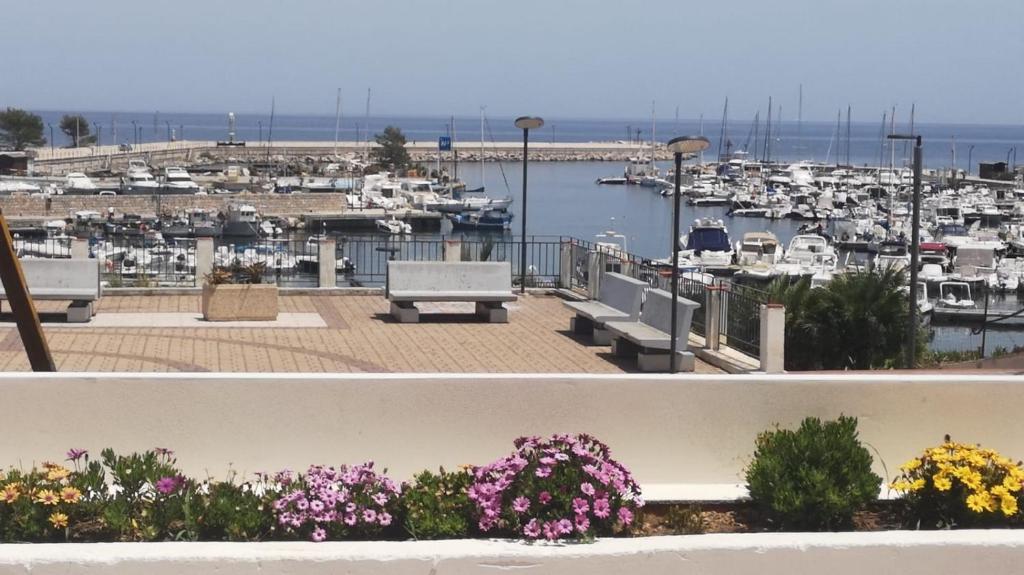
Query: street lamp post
x: 915, y: 226
x: 970, y: 153
x: 678, y: 147
x: 99, y: 133
x: 260, y: 123
x: 168, y: 122
x: 135, y: 132
x: 525, y: 123
x: 51, y: 137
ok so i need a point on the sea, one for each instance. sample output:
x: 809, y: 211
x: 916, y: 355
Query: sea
x: 564, y: 198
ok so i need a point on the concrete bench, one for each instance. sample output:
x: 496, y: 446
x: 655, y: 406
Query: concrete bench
x: 649, y: 339
x: 488, y: 284
x: 76, y: 280
x: 618, y: 300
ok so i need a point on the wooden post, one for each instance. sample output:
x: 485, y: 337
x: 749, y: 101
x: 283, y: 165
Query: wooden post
x: 25, y: 315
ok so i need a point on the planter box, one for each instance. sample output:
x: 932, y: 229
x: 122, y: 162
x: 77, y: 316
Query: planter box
x: 908, y: 553
x: 240, y: 302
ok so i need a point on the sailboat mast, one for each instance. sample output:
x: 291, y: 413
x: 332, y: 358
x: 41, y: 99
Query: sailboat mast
x: 652, y: 134
x: 337, y: 121
x: 455, y: 155
x: 848, y: 109
x: 881, y: 147
x: 800, y: 119
x: 367, y: 135
x: 839, y: 119
x: 725, y: 120
x: 270, y: 134
x: 482, y: 184
x: 757, y: 131
x: 702, y: 133
x: 766, y: 154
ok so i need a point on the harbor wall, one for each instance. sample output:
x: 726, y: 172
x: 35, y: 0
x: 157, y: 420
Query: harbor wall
x: 266, y: 204
x: 689, y: 430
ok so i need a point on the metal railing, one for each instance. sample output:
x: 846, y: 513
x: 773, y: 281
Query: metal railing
x: 289, y: 262
x: 127, y: 261
x: 43, y: 247
x: 740, y: 318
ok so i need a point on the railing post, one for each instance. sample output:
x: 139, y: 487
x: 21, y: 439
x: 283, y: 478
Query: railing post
x: 595, y: 267
x: 565, y: 265
x: 79, y: 249
x: 773, y: 338
x: 204, y: 257
x: 453, y: 250
x: 712, y: 314
x: 325, y: 258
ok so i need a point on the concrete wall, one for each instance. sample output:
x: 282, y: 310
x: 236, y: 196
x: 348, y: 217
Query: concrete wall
x: 266, y: 204
x: 907, y: 553
x: 682, y: 430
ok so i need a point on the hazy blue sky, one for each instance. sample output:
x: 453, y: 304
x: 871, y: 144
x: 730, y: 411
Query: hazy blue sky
x: 960, y: 61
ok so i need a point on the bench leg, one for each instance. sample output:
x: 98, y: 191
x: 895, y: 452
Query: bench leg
x: 602, y: 336
x: 623, y: 348
x: 581, y: 325
x: 405, y: 312
x: 492, y: 312
x: 657, y: 361
x: 80, y: 312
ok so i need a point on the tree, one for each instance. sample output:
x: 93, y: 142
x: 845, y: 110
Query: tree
x: 391, y: 152
x: 76, y: 126
x: 20, y: 129
x: 857, y: 321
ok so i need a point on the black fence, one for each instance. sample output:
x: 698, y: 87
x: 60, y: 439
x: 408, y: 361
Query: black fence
x: 127, y: 261
x: 289, y: 262
x: 740, y: 318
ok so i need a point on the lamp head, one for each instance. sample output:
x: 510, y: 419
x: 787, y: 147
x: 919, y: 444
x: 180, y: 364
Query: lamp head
x: 688, y: 144
x: 529, y: 122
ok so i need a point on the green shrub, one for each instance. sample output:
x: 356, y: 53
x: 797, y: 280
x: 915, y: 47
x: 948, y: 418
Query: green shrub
x: 235, y: 512
x: 813, y: 478
x: 435, y: 505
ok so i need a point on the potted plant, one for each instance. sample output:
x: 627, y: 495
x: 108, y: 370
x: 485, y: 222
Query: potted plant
x: 239, y: 295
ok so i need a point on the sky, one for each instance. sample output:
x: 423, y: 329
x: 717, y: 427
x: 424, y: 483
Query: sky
x: 956, y: 61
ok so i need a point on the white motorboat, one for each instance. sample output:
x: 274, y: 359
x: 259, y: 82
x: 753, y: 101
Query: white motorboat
x: 241, y: 221
x: 393, y: 226
x: 955, y: 295
x: 178, y: 180
x: 79, y: 183
x: 707, y: 244
x: 138, y: 180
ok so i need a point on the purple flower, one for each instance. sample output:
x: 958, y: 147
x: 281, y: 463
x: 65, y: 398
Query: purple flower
x: 369, y: 515
x: 384, y: 519
x: 544, y: 497
x: 563, y: 527
x: 302, y: 504
x: 582, y: 523
x: 350, y: 519
x: 587, y: 489
x: 548, y: 461
x: 163, y: 451
x: 543, y: 472
x: 168, y: 485
x: 602, y: 509
x: 380, y: 499
x: 531, y: 530
x: 561, y: 456
x: 319, y: 534
x: 520, y: 504
x: 76, y: 454
x: 580, y: 506
x: 316, y: 506
x: 625, y: 516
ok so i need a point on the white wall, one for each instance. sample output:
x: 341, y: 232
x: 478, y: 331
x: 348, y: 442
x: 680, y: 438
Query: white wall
x: 907, y: 553
x: 687, y: 429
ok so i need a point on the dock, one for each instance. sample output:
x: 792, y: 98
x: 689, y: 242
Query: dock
x: 977, y: 316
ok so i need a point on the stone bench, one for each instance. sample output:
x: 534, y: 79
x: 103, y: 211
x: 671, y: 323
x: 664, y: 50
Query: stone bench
x: 619, y: 300
x: 487, y: 284
x: 649, y: 339
x: 76, y: 280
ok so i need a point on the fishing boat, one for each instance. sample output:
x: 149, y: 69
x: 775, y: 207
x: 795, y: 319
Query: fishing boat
x: 241, y: 221
x: 482, y: 220
x: 955, y: 295
x: 393, y: 226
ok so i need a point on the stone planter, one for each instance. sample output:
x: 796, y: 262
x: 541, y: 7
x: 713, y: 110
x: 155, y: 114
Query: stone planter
x: 240, y: 302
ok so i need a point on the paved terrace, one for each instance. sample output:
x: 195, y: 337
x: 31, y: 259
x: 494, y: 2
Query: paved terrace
x: 326, y: 333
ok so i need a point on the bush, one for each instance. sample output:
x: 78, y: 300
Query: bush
x: 347, y: 503
x: 566, y: 487
x: 437, y: 506
x: 813, y: 478
x: 959, y: 485
x: 230, y: 512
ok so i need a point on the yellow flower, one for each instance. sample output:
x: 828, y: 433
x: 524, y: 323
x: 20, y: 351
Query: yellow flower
x: 900, y: 485
x: 942, y: 483
x: 1011, y: 484
x: 58, y: 520
x: 57, y: 472
x: 979, y: 502
x: 70, y: 495
x: 911, y: 465
x: 10, y: 493
x: 47, y: 497
x: 917, y: 485
x: 1008, y: 504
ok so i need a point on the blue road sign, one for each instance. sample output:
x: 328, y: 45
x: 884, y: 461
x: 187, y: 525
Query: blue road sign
x: 444, y: 144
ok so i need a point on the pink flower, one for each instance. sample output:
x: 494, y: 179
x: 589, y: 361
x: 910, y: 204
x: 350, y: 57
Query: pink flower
x: 602, y: 509
x: 316, y: 506
x: 384, y: 519
x: 582, y: 523
x: 531, y: 530
x: 587, y: 489
x: 168, y: 485
x: 520, y: 504
x: 350, y: 519
x: 544, y: 497
x: 564, y: 527
x: 76, y: 454
x: 547, y: 461
x: 369, y: 515
x: 380, y: 499
x: 543, y: 472
x: 580, y: 506
x: 319, y: 534
x: 625, y: 516
x: 561, y: 456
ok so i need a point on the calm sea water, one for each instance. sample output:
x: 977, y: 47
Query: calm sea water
x: 790, y: 141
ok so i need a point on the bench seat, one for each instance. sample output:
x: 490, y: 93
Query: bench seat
x: 596, y: 311
x: 641, y: 334
x: 76, y: 280
x: 467, y: 296
x: 60, y: 294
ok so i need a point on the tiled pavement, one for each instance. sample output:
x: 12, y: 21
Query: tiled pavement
x: 359, y: 337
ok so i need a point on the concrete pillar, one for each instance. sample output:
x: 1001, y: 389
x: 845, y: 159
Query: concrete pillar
x: 79, y: 249
x: 773, y: 338
x: 565, y: 265
x: 596, y: 262
x: 204, y: 258
x: 326, y: 260
x: 453, y: 250
x: 712, y: 314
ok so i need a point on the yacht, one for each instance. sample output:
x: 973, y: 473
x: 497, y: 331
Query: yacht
x: 79, y: 183
x: 808, y: 255
x: 955, y: 295
x: 482, y: 220
x: 707, y: 244
x: 241, y: 221
x: 393, y: 226
x: 177, y: 181
x: 138, y: 180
